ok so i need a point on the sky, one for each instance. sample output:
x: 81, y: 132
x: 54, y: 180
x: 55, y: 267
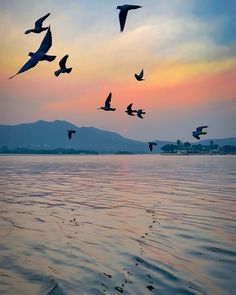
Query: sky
x: 187, y: 49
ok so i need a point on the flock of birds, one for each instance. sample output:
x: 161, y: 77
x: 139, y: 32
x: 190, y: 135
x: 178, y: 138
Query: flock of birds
x: 41, y: 55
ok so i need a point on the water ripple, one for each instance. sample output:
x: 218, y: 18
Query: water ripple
x: 110, y: 224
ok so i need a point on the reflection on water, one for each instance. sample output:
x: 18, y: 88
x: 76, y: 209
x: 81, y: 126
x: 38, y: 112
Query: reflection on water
x: 111, y: 224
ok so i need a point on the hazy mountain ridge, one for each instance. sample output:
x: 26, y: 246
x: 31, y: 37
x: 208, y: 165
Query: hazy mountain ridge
x: 49, y: 135
x: 43, y: 134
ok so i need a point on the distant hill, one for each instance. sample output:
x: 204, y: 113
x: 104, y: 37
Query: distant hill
x: 51, y: 135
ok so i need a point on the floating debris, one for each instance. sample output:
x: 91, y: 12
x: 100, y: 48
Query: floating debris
x: 39, y: 219
x: 150, y: 287
x: 139, y: 259
x: 119, y: 289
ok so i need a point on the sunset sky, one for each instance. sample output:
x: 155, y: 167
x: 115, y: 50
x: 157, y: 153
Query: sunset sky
x: 186, y: 47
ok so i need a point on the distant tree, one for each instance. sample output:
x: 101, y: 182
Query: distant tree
x: 178, y: 143
x: 229, y: 149
x: 197, y: 147
x: 4, y: 149
x: 169, y: 148
x: 187, y: 145
x: 212, y: 146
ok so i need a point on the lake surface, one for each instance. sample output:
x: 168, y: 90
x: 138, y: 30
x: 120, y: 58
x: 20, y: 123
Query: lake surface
x: 137, y: 224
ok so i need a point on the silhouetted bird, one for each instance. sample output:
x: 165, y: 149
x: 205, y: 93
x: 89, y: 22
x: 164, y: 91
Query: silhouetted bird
x: 199, y: 131
x: 107, y: 106
x: 39, y: 55
x: 38, y: 25
x: 123, y: 13
x: 140, y: 76
x: 140, y: 113
x: 63, y: 68
x: 70, y: 132
x: 151, y: 144
x: 129, y: 110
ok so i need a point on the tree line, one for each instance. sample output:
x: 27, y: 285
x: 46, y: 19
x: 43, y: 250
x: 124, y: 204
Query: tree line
x: 187, y: 147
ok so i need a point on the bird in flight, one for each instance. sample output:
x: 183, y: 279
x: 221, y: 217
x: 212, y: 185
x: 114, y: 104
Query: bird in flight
x: 129, y: 110
x: 139, y: 76
x: 38, y: 26
x: 39, y: 55
x: 63, y: 68
x: 70, y: 132
x: 199, y: 131
x: 140, y: 113
x: 107, y: 106
x: 123, y: 13
x: 151, y: 144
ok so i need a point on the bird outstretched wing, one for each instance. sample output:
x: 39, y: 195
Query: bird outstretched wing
x: 134, y: 6
x: 46, y: 43
x: 129, y: 108
x: 196, y: 135
x: 70, y: 132
x: 199, y: 129
x: 140, y: 115
x: 150, y: 146
x: 28, y: 65
x: 40, y: 21
x: 108, y: 101
x: 141, y: 74
x: 62, y: 62
x: 122, y: 17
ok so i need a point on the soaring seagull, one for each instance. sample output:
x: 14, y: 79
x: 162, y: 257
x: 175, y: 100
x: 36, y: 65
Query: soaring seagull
x: 63, y: 68
x: 70, y: 132
x: 107, y: 106
x: 139, y: 76
x: 129, y: 110
x: 38, y: 26
x: 39, y: 55
x: 151, y: 144
x: 140, y: 113
x: 123, y: 13
x: 199, y: 131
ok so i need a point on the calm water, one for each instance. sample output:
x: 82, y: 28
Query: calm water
x: 105, y: 224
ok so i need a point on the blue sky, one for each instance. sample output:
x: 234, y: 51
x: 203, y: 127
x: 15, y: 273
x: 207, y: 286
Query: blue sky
x: 186, y: 47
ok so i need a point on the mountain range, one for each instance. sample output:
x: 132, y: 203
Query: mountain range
x: 51, y: 135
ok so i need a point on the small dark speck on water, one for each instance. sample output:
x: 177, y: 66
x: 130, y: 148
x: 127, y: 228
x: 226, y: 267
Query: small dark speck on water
x: 150, y: 287
x: 139, y: 259
x: 119, y: 289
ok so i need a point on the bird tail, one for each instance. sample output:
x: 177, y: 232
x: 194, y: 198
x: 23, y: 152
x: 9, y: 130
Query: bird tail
x: 57, y: 73
x: 204, y: 133
x: 49, y: 57
x: 68, y: 70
